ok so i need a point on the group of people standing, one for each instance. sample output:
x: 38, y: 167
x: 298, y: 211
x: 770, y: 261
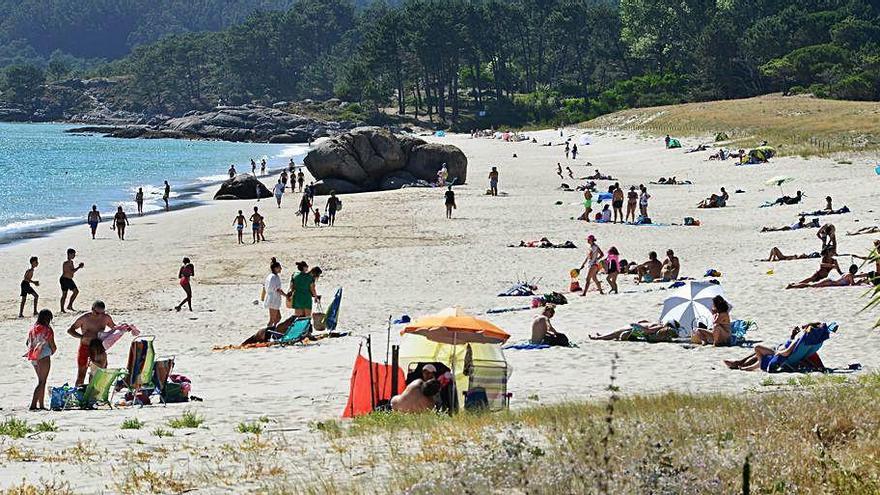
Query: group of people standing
x: 120, y: 218
x: 613, y: 265
x: 615, y: 214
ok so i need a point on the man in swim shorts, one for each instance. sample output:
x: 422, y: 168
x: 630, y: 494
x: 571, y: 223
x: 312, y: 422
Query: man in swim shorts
x: 67, y: 284
x: 493, y: 181
x: 166, y: 195
x: 650, y: 270
x: 86, y: 328
x: 94, y: 219
x: 239, y: 226
x: 27, y: 283
x: 256, y: 222
x: 617, y: 203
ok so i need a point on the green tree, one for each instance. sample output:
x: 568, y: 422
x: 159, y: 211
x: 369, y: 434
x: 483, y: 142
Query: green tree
x: 23, y: 83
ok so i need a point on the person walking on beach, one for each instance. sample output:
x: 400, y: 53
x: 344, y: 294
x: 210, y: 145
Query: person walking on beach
x: 284, y: 178
x: 186, y: 272
x: 279, y: 192
x: 449, y: 196
x: 567, y: 151
x: 253, y: 167
x: 574, y: 152
x: 493, y: 181
x: 239, y: 226
x: 41, y: 346
x: 120, y: 221
x: 166, y: 195
x: 67, y: 284
x: 588, y: 205
x: 317, y: 217
x: 592, y: 263
x: 643, y: 201
x: 94, y: 218
x: 617, y: 203
x: 256, y: 221
x: 27, y: 283
x: 612, y: 268
x: 305, y: 208
x: 300, y: 179
x: 86, y: 328
x: 559, y: 170
x: 139, y: 200
x: 274, y: 294
x: 302, y: 289
x: 632, y: 199
x: 263, y: 166
x: 232, y: 171
x: 333, y: 205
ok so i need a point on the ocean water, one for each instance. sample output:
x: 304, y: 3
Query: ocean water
x: 49, y: 178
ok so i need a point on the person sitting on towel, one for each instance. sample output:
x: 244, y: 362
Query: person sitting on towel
x: 543, y: 331
x: 650, y: 270
x: 417, y: 397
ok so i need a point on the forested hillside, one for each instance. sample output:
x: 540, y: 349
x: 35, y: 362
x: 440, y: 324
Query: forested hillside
x: 513, y: 61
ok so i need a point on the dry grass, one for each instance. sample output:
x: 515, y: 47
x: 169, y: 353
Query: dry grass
x: 821, y: 437
x: 797, y: 125
x: 42, y: 488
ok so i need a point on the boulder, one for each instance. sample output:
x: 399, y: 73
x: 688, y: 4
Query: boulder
x: 426, y: 159
x: 242, y: 186
x: 339, y: 186
x: 373, y: 158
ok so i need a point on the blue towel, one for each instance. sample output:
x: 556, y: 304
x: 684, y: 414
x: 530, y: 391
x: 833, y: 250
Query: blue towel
x: 523, y: 346
x: 403, y: 319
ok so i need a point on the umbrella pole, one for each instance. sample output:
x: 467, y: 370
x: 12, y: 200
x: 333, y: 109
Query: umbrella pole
x: 372, y: 382
x: 395, y: 358
x: 388, y: 340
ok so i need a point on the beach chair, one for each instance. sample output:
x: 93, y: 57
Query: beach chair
x: 738, y: 331
x: 806, y: 348
x: 100, y: 386
x: 487, y: 388
x: 141, y: 368
x: 297, y: 331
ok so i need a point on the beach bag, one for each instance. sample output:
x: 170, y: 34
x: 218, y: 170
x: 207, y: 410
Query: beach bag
x: 556, y: 340
x: 325, y: 219
x: 175, y: 392
x: 64, y: 396
x: 318, y: 318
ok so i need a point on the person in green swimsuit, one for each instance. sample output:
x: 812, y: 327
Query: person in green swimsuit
x: 302, y: 289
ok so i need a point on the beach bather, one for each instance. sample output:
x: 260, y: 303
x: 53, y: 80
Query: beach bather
x: 27, y: 289
x: 417, y: 397
x: 592, y: 264
x: 715, y: 200
x: 719, y: 334
x: 826, y: 264
x: 777, y: 255
x: 865, y: 230
x: 671, y: 266
x: 543, y: 331
x: 827, y: 234
x: 788, y: 200
x: 86, y: 329
x: 801, y: 224
x: 651, y: 270
x: 93, y: 219
x: 642, y: 330
x: 845, y: 280
x: 41, y: 346
x: 762, y: 356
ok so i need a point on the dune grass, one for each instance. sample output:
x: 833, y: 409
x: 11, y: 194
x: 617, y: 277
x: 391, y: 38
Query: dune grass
x: 189, y: 419
x: 797, y: 125
x: 820, y: 437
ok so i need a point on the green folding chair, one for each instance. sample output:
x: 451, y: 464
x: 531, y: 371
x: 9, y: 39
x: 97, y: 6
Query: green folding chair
x: 297, y: 332
x: 487, y: 388
x: 100, y: 386
x: 141, y: 368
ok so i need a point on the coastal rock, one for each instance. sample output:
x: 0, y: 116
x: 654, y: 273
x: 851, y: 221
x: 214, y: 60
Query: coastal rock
x: 372, y: 158
x: 339, y: 186
x: 242, y: 186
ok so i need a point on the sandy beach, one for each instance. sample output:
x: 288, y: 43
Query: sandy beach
x: 394, y: 253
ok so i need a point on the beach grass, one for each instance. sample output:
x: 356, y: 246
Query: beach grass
x: 255, y: 427
x: 131, y: 424
x: 818, y: 435
x: 15, y: 427
x: 189, y: 419
x: 794, y: 125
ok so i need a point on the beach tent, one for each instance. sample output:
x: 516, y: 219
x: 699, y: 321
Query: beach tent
x: 691, y: 304
x: 468, y: 346
x: 673, y: 143
x: 761, y: 154
x: 721, y: 136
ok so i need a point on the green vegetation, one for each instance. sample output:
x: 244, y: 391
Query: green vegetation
x: 460, y: 63
x: 14, y: 427
x: 794, y: 125
x: 46, y: 427
x: 162, y: 432
x: 189, y: 419
x: 815, y: 439
x: 255, y: 427
x: 132, y: 424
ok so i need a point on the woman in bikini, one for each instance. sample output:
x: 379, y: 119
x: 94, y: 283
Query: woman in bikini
x: 186, y: 272
x: 827, y: 264
x: 120, y: 220
x: 41, y: 346
x: 776, y: 255
x: 612, y: 267
x: 592, y: 263
x: 642, y: 330
x: 844, y: 281
x: 720, y: 332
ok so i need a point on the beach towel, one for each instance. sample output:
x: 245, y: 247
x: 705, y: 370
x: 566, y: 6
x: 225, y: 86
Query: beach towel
x: 110, y: 337
x: 525, y: 346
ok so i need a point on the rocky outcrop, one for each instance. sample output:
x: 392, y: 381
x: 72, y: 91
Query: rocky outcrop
x: 372, y: 158
x: 246, y: 123
x: 242, y: 186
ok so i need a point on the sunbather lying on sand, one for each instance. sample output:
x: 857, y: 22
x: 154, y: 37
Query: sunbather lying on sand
x: 839, y: 211
x: 787, y: 200
x: 544, y: 243
x: 801, y: 224
x: 776, y: 255
x: 762, y: 355
x: 715, y: 200
x: 700, y: 147
x: 865, y: 230
x: 845, y: 280
x: 599, y: 176
x: 642, y: 330
x: 672, y: 181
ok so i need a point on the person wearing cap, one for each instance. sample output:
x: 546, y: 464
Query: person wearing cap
x: 592, y: 264
x: 429, y: 371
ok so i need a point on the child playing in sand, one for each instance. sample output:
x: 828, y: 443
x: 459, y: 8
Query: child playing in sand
x: 317, y: 215
x: 27, y: 283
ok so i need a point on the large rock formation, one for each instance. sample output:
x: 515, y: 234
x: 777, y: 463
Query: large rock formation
x: 372, y: 158
x: 242, y: 186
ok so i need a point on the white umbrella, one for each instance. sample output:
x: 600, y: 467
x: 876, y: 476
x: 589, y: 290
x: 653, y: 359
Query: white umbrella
x: 779, y: 180
x: 691, y: 304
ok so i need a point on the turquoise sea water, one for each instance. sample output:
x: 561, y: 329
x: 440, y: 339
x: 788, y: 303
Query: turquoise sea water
x: 49, y: 178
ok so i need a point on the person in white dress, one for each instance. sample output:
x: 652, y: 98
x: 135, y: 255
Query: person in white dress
x: 274, y: 294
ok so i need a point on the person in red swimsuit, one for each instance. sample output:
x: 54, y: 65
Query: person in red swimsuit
x: 86, y: 328
x: 187, y: 271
